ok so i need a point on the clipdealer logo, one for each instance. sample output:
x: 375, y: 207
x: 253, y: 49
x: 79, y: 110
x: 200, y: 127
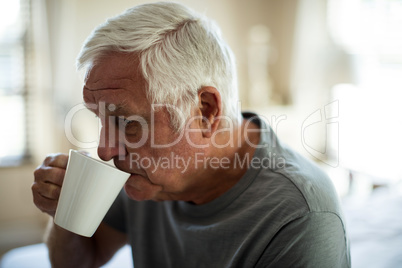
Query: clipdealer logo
x: 148, y: 129
x: 326, y: 150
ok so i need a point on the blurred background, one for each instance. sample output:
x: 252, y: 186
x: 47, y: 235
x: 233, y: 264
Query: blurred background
x: 326, y: 74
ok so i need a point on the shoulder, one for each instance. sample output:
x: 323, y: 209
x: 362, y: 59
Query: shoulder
x: 296, y: 180
x: 295, y: 174
x: 310, y: 180
x: 286, y: 181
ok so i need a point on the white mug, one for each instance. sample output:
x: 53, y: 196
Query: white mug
x: 88, y: 191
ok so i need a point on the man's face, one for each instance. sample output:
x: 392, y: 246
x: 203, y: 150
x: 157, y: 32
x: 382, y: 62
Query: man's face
x: 139, y: 139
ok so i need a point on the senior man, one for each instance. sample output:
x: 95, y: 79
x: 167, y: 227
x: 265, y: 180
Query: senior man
x: 209, y: 186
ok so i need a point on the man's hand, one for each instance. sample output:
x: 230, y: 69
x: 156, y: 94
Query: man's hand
x: 67, y: 249
x: 48, y: 181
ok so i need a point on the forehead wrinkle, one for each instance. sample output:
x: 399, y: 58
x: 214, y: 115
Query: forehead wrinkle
x: 105, y: 84
x: 111, y: 102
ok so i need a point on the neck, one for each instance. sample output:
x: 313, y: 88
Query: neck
x: 223, y: 173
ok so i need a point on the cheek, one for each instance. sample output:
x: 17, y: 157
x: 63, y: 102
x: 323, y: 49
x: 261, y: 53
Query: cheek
x: 167, y: 166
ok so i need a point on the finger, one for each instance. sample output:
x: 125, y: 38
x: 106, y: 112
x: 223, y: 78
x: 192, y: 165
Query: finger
x: 56, y: 160
x: 50, y: 175
x: 46, y: 205
x: 47, y: 190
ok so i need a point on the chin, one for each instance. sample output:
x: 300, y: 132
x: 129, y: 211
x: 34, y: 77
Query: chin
x: 136, y: 195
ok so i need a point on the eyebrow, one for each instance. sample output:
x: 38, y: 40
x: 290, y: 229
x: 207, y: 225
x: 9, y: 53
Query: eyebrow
x: 112, y: 108
x: 115, y: 109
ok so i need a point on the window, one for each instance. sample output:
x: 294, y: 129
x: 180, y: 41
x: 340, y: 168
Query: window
x: 370, y: 122
x: 13, y: 43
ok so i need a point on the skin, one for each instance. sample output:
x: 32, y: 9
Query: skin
x: 115, y: 91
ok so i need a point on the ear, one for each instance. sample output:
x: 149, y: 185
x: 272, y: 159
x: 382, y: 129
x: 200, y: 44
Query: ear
x: 210, y: 106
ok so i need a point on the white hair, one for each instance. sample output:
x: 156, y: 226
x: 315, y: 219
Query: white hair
x: 179, y: 52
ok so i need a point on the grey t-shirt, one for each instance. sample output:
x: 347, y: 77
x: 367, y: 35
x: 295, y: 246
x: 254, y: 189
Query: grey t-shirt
x: 284, y: 212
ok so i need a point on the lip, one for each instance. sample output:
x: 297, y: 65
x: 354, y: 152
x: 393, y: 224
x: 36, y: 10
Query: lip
x: 135, y: 175
x: 131, y: 180
x: 122, y: 168
x: 136, y: 186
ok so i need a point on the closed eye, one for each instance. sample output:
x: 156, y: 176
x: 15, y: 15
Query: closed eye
x: 133, y: 125
x: 125, y: 122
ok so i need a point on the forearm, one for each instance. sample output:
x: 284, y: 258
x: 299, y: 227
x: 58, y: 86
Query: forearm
x: 67, y: 249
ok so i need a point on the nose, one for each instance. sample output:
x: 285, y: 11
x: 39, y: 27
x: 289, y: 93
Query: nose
x: 111, y: 145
